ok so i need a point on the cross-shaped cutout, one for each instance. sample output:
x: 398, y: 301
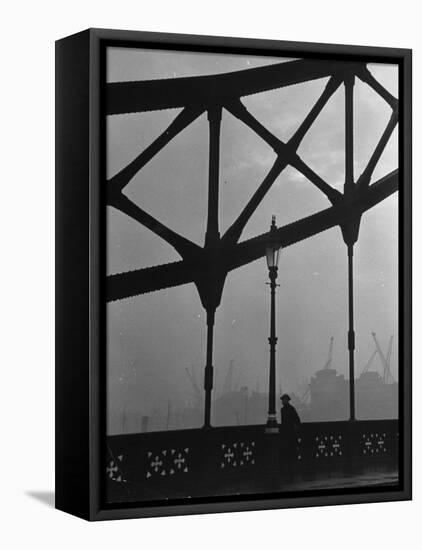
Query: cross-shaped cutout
x: 156, y: 463
x: 179, y: 461
x: 229, y: 455
x: 247, y: 454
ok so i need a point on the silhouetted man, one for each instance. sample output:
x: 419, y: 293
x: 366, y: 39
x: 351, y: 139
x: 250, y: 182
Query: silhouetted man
x: 290, y: 423
x: 289, y: 417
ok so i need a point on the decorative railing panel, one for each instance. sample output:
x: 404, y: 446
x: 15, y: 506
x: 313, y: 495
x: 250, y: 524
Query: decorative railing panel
x: 244, y: 459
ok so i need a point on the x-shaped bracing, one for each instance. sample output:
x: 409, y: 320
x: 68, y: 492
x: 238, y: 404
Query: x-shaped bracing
x: 208, y: 266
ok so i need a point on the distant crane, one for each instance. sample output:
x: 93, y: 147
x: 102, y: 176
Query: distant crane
x: 385, y: 360
x: 388, y: 359
x: 330, y: 354
x: 228, y: 382
x: 194, y: 383
x: 306, y: 395
x: 237, y: 384
x: 369, y: 363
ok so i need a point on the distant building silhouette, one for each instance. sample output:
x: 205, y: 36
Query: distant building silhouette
x: 240, y: 407
x: 329, y: 397
x: 375, y: 399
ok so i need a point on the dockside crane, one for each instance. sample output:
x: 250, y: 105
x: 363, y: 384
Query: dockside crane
x: 236, y: 386
x: 228, y: 382
x: 305, y: 397
x: 385, y: 360
x: 388, y: 359
x: 194, y: 383
x: 369, y: 363
x: 330, y: 354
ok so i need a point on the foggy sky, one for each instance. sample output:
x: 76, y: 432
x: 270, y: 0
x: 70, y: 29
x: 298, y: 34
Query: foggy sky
x: 152, y: 338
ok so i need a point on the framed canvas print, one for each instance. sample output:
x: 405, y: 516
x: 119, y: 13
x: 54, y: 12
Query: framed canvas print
x: 233, y: 274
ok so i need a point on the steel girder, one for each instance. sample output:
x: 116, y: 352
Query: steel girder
x: 208, y: 266
x: 141, y: 281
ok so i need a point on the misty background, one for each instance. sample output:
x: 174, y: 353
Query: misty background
x: 153, y: 338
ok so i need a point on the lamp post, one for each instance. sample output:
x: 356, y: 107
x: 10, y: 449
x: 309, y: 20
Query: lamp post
x: 272, y: 252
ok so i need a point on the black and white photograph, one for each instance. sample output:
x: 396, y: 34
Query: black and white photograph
x: 210, y: 285
x: 252, y: 275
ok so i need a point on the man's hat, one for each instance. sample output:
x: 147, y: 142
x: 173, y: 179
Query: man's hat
x: 285, y: 396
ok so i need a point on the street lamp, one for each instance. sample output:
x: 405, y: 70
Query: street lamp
x: 272, y: 252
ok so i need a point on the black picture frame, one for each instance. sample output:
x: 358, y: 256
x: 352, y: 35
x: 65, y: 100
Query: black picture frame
x: 80, y: 273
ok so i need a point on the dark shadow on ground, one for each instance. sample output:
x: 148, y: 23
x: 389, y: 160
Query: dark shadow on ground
x: 45, y: 497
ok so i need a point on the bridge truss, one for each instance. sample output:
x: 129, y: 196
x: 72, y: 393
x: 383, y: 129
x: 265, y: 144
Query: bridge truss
x: 207, y: 266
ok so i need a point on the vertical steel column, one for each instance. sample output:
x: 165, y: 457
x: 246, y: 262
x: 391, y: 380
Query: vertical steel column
x: 348, y: 90
x: 212, y: 238
x: 351, y: 335
x: 350, y: 233
x: 214, y: 117
x: 209, y: 369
